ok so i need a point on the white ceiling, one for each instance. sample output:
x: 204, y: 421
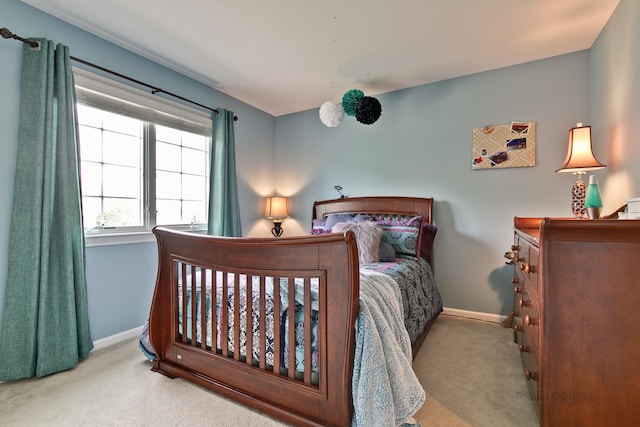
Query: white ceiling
x: 285, y: 56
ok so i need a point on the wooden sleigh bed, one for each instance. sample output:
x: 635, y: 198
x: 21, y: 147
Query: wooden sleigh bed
x: 291, y: 311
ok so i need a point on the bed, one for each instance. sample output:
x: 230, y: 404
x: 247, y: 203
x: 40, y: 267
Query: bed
x: 298, y: 327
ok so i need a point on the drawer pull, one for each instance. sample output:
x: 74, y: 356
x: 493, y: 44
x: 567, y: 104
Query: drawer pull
x: 529, y: 269
x: 530, y: 375
x: 523, y: 349
x: 515, y: 247
x: 517, y: 290
x: 528, y: 320
x: 515, y: 280
x: 517, y: 328
x: 522, y: 303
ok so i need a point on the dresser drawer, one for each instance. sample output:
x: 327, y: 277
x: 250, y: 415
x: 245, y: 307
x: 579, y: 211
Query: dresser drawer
x: 530, y: 317
x: 531, y: 271
x: 517, y: 312
x: 526, y: 265
x: 531, y: 369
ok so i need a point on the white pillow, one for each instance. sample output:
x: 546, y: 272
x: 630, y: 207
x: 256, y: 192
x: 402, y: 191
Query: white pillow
x: 368, y: 235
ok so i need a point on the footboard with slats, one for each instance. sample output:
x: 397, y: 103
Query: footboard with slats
x: 267, y: 322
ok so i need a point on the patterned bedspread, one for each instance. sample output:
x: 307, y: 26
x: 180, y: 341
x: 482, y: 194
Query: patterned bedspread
x: 421, y: 300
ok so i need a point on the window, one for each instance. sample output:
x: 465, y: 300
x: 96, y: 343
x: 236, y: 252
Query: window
x: 144, y: 160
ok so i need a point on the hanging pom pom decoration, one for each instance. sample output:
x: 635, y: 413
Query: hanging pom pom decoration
x: 350, y: 101
x: 368, y: 110
x: 331, y: 114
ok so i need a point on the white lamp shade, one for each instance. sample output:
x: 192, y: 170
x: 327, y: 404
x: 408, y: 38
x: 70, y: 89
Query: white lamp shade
x: 580, y: 156
x: 276, y: 207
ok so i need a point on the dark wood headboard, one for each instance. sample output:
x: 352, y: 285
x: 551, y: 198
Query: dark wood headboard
x: 395, y: 206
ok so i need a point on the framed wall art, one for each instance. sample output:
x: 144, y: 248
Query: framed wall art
x: 504, y: 146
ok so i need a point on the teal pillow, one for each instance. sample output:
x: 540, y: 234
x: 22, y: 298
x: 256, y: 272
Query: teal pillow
x: 402, y: 234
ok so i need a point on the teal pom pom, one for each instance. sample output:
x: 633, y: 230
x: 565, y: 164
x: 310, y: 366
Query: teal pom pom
x: 350, y: 101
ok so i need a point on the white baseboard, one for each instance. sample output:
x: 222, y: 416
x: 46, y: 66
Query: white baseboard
x: 477, y: 315
x: 115, y: 339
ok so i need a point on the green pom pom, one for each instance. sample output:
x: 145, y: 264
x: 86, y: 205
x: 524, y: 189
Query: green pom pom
x: 350, y: 101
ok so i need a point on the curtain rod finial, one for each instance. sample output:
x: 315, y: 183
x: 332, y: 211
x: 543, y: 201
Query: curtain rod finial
x: 6, y: 33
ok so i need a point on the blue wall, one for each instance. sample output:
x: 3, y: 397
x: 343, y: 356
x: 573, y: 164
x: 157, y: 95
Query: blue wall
x: 615, y: 103
x: 121, y: 278
x: 421, y: 146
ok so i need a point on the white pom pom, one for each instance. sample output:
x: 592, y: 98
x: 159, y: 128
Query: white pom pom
x: 331, y: 113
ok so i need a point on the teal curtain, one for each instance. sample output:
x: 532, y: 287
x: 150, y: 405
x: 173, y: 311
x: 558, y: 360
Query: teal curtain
x: 45, y: 327
x: 224, y: 211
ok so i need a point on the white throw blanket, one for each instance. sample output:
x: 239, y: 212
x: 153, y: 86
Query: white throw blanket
x: 386, y: 391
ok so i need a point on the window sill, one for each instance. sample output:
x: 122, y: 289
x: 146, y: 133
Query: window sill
x: 119, y: 239
x: 109, y: 239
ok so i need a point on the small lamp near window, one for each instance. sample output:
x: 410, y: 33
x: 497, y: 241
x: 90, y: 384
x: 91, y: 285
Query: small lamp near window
x: 276, y: 210
x: 580, y: 159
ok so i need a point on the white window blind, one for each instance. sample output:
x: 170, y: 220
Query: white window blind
x: 99, y: 92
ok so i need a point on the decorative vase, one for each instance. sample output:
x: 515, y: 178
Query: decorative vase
x: 578, y: 193
x: 593, y: 201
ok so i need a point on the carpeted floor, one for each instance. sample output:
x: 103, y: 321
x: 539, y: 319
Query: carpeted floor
x: 470, y: 370
x: 473, y: 376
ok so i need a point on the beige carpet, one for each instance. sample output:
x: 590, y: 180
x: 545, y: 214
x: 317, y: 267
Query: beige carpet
x: 473, y: 376
x: 470, y: 370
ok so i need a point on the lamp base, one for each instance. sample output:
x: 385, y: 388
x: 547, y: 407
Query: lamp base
x: 277, y: 229
x: 578, y: 196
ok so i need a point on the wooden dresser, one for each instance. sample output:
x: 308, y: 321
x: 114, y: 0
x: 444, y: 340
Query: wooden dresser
x: 577, y: 318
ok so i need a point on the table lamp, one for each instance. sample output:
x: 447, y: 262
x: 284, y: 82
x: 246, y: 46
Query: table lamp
x: 276, y: 210
x: 580, y: 160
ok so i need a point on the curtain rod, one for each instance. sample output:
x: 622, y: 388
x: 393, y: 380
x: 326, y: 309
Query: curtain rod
x: 154, y: 90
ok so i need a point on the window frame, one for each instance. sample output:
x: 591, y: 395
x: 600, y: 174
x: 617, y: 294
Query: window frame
x: 110, y: 95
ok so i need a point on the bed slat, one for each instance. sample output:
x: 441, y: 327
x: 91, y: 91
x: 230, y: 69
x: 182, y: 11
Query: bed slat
x: 262, y: 326
x: 248, y: 326
x: 307, y: 331
x: 194, y: 304
x: 236, y: 316
x: 224, y: 318
x: 203, y: 307
x: 291, y: 320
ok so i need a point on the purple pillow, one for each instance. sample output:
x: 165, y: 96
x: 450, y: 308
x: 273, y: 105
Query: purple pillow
x: 318, y: 227
x: 427, y: 237
x: 333, y: 219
